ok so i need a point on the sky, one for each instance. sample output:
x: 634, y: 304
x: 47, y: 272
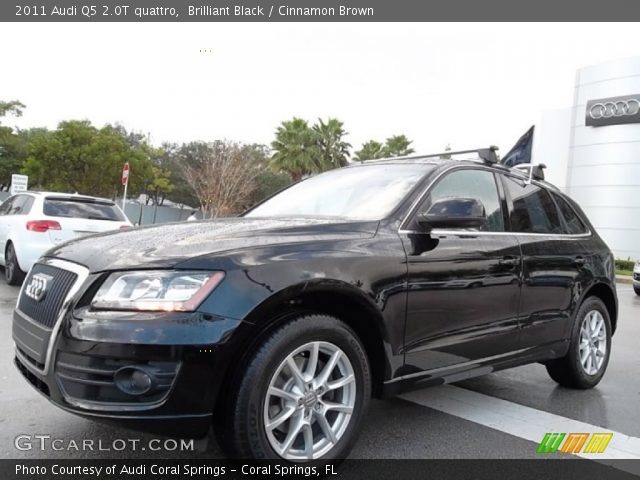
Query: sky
x: 467, y: 85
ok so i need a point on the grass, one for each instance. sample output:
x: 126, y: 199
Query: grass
x: 624, y: 272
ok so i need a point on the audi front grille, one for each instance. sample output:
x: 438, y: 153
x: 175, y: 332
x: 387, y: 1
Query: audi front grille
x: 45, y: 311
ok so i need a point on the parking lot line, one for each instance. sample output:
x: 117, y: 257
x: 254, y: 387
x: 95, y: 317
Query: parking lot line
x: 519, y: 420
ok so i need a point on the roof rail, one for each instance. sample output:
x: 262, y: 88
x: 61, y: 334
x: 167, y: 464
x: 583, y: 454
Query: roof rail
x: 536, y: 172
x: 487, y: 155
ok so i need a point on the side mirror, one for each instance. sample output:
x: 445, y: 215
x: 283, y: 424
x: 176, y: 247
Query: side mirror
x: 454, y: 213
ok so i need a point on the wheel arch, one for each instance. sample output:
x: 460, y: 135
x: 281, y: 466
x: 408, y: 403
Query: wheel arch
x: 338, y: 299
x: 16, y: 249
x: 605, y: 293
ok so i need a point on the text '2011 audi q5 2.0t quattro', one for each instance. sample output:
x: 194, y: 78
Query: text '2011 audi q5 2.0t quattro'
x: 277, y: 327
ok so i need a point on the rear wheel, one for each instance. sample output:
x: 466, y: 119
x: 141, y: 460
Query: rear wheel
x: 302, y: 395
x: 12, y: 272
x: 584, y: 365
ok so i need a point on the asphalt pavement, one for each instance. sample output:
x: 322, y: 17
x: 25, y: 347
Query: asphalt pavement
x: 499, y: 415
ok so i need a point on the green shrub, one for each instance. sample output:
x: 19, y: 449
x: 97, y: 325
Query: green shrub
x: 624, y: 264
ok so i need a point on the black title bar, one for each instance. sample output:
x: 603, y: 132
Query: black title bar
x: 317, y: 10
x: 197, y: 469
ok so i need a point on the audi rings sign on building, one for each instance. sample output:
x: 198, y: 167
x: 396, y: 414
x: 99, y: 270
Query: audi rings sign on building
x: 613, y: 111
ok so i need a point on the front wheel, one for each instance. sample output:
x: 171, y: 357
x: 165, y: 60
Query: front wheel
x: 303, y: 393
x: 12, y: 271
x: 637, y: 290
x: 590, y: 348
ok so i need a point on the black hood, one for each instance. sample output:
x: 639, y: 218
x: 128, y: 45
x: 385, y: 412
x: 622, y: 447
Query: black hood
x: 163, y: 246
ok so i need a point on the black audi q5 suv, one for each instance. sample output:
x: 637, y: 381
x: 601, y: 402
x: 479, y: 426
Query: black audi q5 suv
x: 278, y: 326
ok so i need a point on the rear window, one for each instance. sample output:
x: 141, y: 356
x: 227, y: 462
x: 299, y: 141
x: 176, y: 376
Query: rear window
x: 575, y: 226
x: 78, y: 208
x: 533, y: 209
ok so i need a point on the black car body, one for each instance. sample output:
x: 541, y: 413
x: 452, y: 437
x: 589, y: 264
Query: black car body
x: 428, y: 305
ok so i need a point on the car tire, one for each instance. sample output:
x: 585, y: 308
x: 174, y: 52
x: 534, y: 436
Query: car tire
x: 589, y: 350
x: 327, y: 423
x: 637, y: 290
x: 12, y: 271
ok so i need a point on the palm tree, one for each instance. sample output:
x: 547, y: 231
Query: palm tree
x: 370, y: 151
x: 295, y: 149
x: 397, y: 146
x: 334, y: 151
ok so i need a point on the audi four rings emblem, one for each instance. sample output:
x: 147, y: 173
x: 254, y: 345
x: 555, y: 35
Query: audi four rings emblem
x: 615, y: 109
x: 37, y: 287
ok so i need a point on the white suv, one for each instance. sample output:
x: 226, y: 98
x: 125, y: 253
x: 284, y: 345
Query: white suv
x: 33, y: 222
x: 636, y: 277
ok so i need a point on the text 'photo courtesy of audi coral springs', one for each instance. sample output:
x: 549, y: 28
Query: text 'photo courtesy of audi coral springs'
x: 278, y: 327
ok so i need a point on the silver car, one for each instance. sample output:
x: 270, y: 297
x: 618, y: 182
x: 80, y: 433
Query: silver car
x: 636, y: 277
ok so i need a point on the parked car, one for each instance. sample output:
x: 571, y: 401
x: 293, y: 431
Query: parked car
x: 33, y: 222
x: 636, y: 277
x: 280, y: 325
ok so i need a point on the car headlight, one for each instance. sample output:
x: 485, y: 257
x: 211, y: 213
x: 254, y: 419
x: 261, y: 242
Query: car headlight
x: 156, y: 290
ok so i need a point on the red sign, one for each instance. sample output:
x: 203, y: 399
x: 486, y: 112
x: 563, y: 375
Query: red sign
x: 125, y: 173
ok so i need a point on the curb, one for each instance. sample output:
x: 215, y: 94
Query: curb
x: 624, y: 279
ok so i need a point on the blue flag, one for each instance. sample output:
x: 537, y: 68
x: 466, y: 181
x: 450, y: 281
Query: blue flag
x: 521, y: 151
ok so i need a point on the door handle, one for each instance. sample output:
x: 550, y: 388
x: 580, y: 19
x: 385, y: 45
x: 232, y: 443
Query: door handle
x: 579, y: 261
x: 509, y: 261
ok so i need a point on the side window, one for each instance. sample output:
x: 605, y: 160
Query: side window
x: 26, y: 208
x: 6, y: 206
x: 28, y: 205
x: 533, y: 209
x: 479, y: 184
x: 575, y: 226
x: 21, y: 205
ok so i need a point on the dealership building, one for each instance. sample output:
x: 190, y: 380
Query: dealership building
x: 592, y: 150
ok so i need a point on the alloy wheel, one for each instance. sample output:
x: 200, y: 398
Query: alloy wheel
x: 593, y: 342
x: 9, y: 263
x: 310, y: 401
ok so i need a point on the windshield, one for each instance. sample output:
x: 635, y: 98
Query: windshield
x: 368, y: 192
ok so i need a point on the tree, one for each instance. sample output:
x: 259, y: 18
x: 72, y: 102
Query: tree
x: 295, y: 149
x: 169, y: 162
x: 300, y: 150
x: 371, y: 150
x: 397, y: 146
x: 157, y: 183
x: 268, y: 183
x: 222, y: 174
x: 78, y: 157
x: 13, y: 107
x: 333, y: 150
x: 11, y: 155
x: 12, y: 151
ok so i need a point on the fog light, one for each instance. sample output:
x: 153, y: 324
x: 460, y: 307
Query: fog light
x: 133, y: 380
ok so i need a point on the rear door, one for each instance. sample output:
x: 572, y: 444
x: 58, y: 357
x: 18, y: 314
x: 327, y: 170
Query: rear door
x: 579, y: 245
x: 551, y: 262
x: 463, y: 285
x: 80, y: 216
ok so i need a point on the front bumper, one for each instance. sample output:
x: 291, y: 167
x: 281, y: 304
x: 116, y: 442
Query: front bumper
x: 184, y: 409
x: 73, y: 362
